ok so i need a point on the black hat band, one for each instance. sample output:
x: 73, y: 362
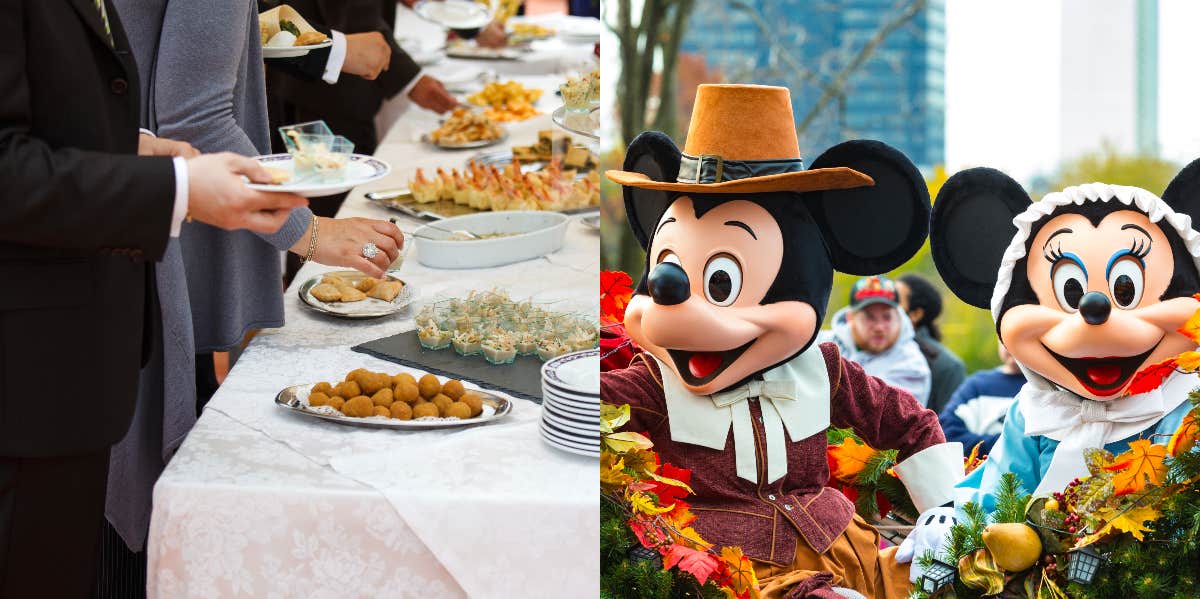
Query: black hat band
x: 711, y: 168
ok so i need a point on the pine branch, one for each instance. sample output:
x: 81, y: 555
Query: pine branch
x: 1011, y: 503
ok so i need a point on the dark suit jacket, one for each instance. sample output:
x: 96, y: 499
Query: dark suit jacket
x: 352, y: 98
x: 80, y: 218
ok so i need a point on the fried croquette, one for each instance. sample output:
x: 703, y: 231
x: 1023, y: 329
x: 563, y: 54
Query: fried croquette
x: 442, y: 402
x: 404, y: 377
x: 337, y: 403
x: 474, y: 401
x: 425, y: 409
x: 366, y: 284
x: 350, y: 294
x: 458, y: 409
x: 326, y: 293
x: 382, y: 397
x: 372, y: 382
x: 333, y: 279
x: 454, y: 389
x: 359, y: 407
x: 323, y: 387
x: 318, y: 399
x: 401, y: 411
x: 386, y: 290
x: 406, y: 392
x: 347, y: 389
x: 383, y: 411
x: 429, y: 386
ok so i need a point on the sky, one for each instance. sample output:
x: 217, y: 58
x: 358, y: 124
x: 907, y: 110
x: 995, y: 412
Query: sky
x: 1003, y: 83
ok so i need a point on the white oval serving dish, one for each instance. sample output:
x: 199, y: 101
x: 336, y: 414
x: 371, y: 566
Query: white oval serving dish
x: 536, y: 233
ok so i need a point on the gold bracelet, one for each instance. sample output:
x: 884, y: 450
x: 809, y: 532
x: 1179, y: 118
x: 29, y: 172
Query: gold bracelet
x: 312, y: 242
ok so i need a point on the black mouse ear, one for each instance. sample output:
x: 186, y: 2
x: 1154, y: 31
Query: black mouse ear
x: 655, y: 155
x: 871, y: 230
x: 971, y: 228
x: 1183, y: 193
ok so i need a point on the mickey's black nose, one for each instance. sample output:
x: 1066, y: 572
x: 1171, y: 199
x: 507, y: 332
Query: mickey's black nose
x: 1095, y: 307
x: 668, y: 284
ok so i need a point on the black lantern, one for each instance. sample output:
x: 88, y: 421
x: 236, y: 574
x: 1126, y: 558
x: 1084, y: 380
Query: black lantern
x: 639, y: 553
x: 1084, y: 565
x: 939, y: 574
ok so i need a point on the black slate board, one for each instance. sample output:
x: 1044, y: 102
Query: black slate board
x: 522, y: 378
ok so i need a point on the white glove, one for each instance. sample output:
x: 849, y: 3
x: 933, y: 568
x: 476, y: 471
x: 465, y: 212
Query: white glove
x: 931, y: 533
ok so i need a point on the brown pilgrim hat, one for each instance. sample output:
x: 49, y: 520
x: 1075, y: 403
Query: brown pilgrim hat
x: 742, y: 139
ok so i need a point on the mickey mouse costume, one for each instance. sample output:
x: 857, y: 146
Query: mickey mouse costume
x: 741, y: 242
x: 1087, y: 286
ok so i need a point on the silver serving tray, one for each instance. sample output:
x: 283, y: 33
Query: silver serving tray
x: 292, y: 399
x: 401, y: 201
x: 368, y: 308
x: 559, y: 116
x: 466, y: 145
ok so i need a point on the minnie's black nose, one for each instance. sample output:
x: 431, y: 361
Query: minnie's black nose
x: 668, y: 284
x: 1095, y: 307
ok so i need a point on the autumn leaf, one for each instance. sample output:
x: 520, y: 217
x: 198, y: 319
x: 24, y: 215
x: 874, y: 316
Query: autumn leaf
x: 689, y: 535
x: 741, y: 571
x: 1145, y: 465
x: 1185, y: 436
x: 1191, y: 328
x: 1188, y: 361
x: 644, y: 504
x: 613, y: 417
x: 613, y: 474
x: 849, y: 458
x: 974, y: 460
x: 615, y: 291
x: 1131, y: 521
x: 649, y: 535
x: 623, y: 442
x: 700, y: 564
x: 1150, y: 377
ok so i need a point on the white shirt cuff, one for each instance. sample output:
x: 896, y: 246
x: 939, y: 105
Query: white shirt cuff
x: 147, y: 132
x: 337, y: 57
x: 181, y: 195
x: 412, y: 84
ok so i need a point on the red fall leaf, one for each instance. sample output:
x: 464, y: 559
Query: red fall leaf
x: 616, y: 288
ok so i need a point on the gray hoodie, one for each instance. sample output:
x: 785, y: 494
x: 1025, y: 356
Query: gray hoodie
x: 901, y: 365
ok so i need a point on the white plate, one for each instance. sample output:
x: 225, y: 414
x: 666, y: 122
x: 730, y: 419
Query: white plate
x: 563, y: 440
x: 454, y: 14
x: 583, y: 402
x: 585, y: 124
x: 295, y: 399
x: 580, y: 31
x: 537, y: 233
x: 367, y: 308
x: 571, y: 417
x: 591, y: 453
x: 573, y: 410
x: 575, y: 429
x: 359, y: 169
x: 578, y: 372
x: 464, y: 145
x: 293, y: 51
x: 591, y: 221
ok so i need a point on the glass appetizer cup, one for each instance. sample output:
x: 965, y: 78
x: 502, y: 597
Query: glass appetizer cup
x: 434, y: 338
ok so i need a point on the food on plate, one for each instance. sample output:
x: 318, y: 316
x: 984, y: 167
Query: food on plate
x: 279, y: 176
x: 347, y: 389
x: 386, y: 291
x: 509, y: 101
x: 382, y: 397
x: 316, y: 398
x: 466, y: 343
x: 473, y: 401
x: 401, y: 411
x: 465, y: 126
x: 499, y: 348
x: 404, y: 377
x: 350, y: 294
x: 406, y: 392
x: 386, y: 412
x: 432, y: 337
x: 326, y: 293
x: 531, y: 30
x: 333, y: 279
x: 441, y: 401
x: 580, y: 92
x: 425, y: 410
x: 322, y: 387
x: 359, y: 406
x: 553, y: 144
x: 489, y: 188
x: 429, y: 386
x: 366, y: 284
x: 311, y: 38
x: 453, y: 389
x: 283, y: 27
x: 458, y: 409
x: 552, y: 349
x: 337, y: 403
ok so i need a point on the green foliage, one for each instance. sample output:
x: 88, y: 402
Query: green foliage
x: 623, y: 578
x: 1107, y: 165
x: 1011, y: 502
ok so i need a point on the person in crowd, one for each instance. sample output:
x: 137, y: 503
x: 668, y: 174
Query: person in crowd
x: 875, y: 333
x: 975, y: 413
x: 922, y: 303
x: 84, y: 219
x: 213, y: 286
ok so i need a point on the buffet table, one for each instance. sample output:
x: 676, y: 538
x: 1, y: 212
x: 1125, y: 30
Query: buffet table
x: 259, y: 502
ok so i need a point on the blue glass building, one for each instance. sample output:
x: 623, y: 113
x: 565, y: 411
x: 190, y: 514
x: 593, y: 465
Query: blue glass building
x: 896, y: 96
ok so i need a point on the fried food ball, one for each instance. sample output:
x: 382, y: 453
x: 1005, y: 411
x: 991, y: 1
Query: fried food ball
x: 429, y: 386
x: 453, y: 389
x: 406, y: 392
x: 347, y: 389
x: 354, y: 374
x: 382, y: 397
x: 367, y: 284
x: 371, y: 382
x: 337, y: 403
x: 323, y: 387
x: 474, y: 401
x: 425, y: 409
x: 404, y: 377
x: 458, y: 409
x: 382, y: 411
x: 318, y: 399
x: 442, y: 402
x: 401, y: 411
x: 359, y: 407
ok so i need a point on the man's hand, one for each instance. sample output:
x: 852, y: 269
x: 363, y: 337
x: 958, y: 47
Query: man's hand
x: 492, y: 36
x: 217, y: 195
x: 367, y: 54
x: 430, y: 94
x: 148, y: 145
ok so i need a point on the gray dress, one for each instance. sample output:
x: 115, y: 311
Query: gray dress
x: 201, y: 69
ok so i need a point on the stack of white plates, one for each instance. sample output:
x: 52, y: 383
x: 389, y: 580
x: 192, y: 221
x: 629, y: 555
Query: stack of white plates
x: 571, y: 402
x: 580, y: 31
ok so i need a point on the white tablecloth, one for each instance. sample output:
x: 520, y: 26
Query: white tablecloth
x: 263, y: 503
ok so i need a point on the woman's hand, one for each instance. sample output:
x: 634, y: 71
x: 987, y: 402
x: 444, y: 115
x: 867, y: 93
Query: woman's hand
x: 340, y: 242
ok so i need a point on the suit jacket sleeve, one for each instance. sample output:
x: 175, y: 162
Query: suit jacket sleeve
x: 59, y: 196
x: 886, y: 417
x: 358, y: 16
x: 199, y: 110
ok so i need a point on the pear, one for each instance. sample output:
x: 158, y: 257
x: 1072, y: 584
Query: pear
x: 1014, y: 546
